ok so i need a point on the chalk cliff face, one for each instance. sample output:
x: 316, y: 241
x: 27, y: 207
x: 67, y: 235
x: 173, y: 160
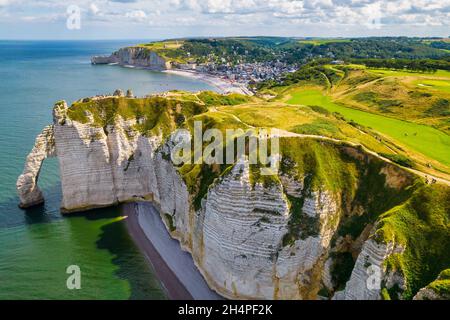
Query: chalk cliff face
x: 361, y: 286
x: 134, y: 56
x: 103, y: 166
x: 292, y: 238
x: 242, y: 227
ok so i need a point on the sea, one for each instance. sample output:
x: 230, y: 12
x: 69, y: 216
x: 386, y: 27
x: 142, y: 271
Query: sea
x: 38, y: 245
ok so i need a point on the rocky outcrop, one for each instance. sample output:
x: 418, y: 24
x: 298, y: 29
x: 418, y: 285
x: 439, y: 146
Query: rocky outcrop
x: 134, y: 56
x: 365, y: 281
x: 431, y: 294
x: 439, y: 289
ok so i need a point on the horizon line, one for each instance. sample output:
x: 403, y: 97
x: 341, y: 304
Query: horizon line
x: 233, y: 36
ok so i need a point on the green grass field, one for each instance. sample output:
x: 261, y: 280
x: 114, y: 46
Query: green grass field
x: 440, y: 85
x: 400, y: 73
x: 430, y: 142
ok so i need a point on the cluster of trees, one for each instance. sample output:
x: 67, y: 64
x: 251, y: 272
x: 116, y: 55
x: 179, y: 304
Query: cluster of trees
x: 294, y: 51
x: 388, y: 52
x: 440, y: 45
x: 364, y: 48
x: 232, y: 49
x: 418, y: 65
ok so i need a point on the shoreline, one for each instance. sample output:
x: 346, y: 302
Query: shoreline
x: 225, y: 86
x: 172, y: 287
x: 173, y: 266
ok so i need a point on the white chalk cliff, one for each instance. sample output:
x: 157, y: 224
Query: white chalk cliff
x: 237, y: 237
x: 134, y: 56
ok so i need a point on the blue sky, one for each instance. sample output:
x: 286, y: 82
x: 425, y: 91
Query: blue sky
x: 155, y: 19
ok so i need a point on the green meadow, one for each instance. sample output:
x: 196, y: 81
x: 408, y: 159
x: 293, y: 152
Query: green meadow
x: 440, y: 85
x: 403, y: 73
x: 430, y: 142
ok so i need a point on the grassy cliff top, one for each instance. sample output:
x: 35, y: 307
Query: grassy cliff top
x: 303, y: 109
x: 162, y: 114
x: 153, y: 114
x: 169, y: 50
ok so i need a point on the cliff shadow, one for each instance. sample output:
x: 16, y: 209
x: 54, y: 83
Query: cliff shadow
x: 131, y: 264
x: 11, y: 215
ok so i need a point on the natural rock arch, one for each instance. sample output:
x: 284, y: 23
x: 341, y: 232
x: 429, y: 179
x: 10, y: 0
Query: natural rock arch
x: 27, y: 187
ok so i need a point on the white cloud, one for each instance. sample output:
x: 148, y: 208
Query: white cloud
x: 136, y: 15
x: 270, y: 14
x: 94, y: 9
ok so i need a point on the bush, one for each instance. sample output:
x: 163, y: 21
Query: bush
x: 441, y: 107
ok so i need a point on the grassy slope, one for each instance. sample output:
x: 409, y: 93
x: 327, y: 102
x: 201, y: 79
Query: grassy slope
x: 429, y: 141
x: 438, y: 85
x: 418, y: 97
x: 303, y: 120
x: 159, y: 114
x: 412, y: 214
x: 442, y: 284
x: 399, y: 73
x: 422, y: 227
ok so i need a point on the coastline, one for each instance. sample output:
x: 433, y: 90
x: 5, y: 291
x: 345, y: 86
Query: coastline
x: 174, y: 267
x: 224, y: 86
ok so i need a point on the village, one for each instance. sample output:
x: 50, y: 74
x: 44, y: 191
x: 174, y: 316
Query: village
x: 242, y: 73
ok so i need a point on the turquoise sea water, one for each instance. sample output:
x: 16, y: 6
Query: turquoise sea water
x: 37, y: 245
